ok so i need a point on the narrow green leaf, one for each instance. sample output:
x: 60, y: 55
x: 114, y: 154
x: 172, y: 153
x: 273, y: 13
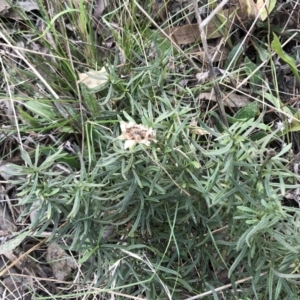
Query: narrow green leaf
x: 273, y: 99
x: 87, y: 255
x: 276, y: 46
x: 287, y: 276
x: 41, y: 109
x: 217, y: 152
x: 28, y: 118
x: 250, y: 67
x: 234, y: 55
x: 247, y: 209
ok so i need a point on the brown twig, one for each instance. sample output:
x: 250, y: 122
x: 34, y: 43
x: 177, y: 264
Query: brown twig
x: 221, y: 288
x: 17, y: 261
x: 212, y: 74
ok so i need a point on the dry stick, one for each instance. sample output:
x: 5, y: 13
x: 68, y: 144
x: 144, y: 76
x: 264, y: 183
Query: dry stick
x: 31, y: 67
x: 204, y: 41
x: 27, y: 252
x: 79, y: 98
x: 39, y: 53
x: 98, y: 290
x: 201, y: 25
x: 12, y: 104
x: 211, y: 15
x: 22, y: 256
x: 167, y: 36
x: 243, y: 82
x: 205, y: 46
x: 221, y: 288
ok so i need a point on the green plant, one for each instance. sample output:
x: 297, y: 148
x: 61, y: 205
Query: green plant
x: 200, y: 207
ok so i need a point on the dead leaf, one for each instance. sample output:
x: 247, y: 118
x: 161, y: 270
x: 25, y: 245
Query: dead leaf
x: 293, y: 195
x: 93, y: 79
x: 60, y: 262
x: 190, y: 33
x: 8, y: 170
x: 265, y: 7
x: 99, y: 8
x: 122, y: 55
x: 248, y: 10
x: 205, y: 76
x: 202, y: 77
x: 4, y: 7
x: 6, y: 221
x: 25, y: 265
x: 234, y: 100
x: 17, y: 285
x: 183, y: 35
x: 28, y: 5
x: 7, y: 106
